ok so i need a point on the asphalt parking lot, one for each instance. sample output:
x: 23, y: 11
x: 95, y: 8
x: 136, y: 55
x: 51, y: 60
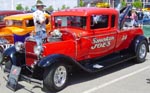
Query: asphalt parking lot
x: 127, y: 77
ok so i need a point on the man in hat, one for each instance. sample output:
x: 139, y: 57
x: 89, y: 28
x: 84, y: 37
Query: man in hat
x: 39, y: 20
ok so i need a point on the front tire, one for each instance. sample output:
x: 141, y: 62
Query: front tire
x: 8, y: 66
x: 55, y: 77
x: 1, y: 54
x: 141, y: 52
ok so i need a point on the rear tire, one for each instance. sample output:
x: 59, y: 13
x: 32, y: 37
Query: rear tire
x: 141, y: 52
x: 55, y: 77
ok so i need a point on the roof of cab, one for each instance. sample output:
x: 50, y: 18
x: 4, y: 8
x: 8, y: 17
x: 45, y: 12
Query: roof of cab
x: 10, y: 12
x: 84, y: 11
x: 21, y: 16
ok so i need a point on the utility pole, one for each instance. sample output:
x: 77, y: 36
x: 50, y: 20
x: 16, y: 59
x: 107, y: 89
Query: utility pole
x: 12, y: 4
x: 109, y: 2
x: 113, y: 2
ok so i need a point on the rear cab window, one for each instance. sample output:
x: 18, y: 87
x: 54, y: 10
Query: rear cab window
x: 99, y: 21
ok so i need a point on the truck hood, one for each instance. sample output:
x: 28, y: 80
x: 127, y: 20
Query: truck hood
x: 12, y: 30
x: 5, y: 31
x: 76, y: 32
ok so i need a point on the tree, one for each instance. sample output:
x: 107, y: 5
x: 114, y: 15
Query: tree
x: 123, y: 3
x: 19, y: 7
x: 50, y: 8
x: 26, y: 8
x: 63, y: 7
x: 81, y: 3
x: 137, y: 4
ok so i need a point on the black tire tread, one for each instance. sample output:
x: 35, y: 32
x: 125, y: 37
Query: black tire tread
x: 48, y: 78
x: 8, y: 66
x: 137, y: 59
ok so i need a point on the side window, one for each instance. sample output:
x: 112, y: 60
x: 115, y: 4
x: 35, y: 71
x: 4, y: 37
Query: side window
x: 29, y: 23
x: 99, y: 21
x: 47, y: 21
x: 113, y: 17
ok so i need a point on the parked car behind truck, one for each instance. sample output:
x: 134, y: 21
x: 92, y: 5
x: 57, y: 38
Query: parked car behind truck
x: 18, y: 27
x: 4, y: 13
x: 91, y: 39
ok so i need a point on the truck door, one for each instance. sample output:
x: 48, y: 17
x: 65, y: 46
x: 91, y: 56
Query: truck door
x: 123, y: 40
x: 104, y: 37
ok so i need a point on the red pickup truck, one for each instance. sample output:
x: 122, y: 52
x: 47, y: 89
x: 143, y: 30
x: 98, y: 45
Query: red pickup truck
x: 91, y: 39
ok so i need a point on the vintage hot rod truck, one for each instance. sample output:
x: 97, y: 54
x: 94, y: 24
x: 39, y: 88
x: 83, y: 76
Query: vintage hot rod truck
x: 17, y: 28
x: 90, y: 38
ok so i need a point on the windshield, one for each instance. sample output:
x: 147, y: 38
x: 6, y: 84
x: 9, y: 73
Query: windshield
x: 17, y: 23
x: 70, y: 21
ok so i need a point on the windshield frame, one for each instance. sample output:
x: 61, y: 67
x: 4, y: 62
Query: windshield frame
x: 15, y: 23
x: 70, y: 19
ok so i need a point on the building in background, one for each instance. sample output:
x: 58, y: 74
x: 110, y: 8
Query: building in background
x: 114, y: 3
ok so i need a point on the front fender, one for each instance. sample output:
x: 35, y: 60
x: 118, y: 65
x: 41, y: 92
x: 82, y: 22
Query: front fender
x: 10, y: 53
x: 136, y: 42
x: 15, y: 57
x: 51, y: 59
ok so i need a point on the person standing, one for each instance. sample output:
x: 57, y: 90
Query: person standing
x: 133, y: 17
x: 140, y: 17
x: 39, y: 20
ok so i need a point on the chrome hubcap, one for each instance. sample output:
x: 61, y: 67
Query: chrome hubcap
x: 142, y: 51
x: 60, y: 76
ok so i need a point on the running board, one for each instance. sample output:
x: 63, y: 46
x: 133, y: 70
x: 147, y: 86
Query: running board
x: 100, y: 64
x: 31, y: 80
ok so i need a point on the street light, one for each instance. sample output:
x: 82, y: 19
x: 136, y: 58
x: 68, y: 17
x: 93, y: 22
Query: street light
x: 109, y: 2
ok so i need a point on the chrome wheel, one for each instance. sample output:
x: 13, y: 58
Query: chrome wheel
x: 142, y: 51
x: 56, y: 77
x: 60, y: 76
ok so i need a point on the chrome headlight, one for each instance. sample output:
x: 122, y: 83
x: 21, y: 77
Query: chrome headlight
x: 19, y: 46
x: 38, y: 50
